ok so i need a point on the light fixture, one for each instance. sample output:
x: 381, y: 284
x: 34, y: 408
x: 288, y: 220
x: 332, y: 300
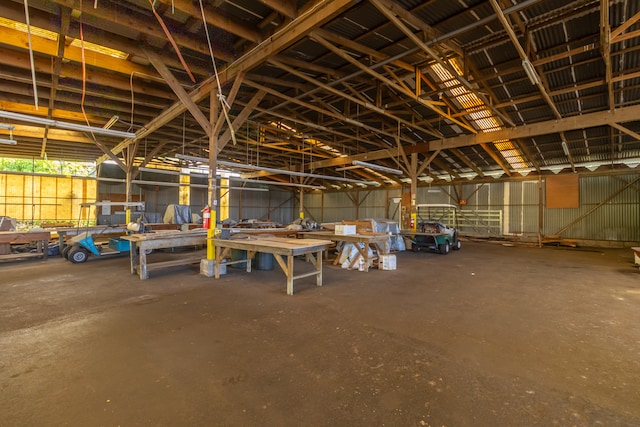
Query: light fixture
x: 272, y: 170
x: 10, y: 140
x: 565, y: 148
x: 376, y: 167
x: 347, y: 168
x: 160, y: 171
x: 179, y: 184
x: 64, y: 125
x: 530, y: 71
x: 112, y: 121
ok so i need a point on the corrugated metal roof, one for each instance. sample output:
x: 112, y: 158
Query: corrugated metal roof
x: 561, y: 38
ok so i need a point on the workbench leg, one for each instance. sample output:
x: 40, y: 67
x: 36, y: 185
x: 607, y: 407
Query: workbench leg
x: 366, y: 257
x: 216, y: 260
x: 45, y: 249
x: 142, y: 267
x: 335, y: 261
x: 250, y: 255
x: 289, y: 274
x: 318, y: 265
x: 133, y: 257
x: 61, y: 241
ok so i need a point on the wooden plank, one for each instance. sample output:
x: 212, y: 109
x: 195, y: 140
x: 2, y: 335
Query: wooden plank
x: 172, y: 263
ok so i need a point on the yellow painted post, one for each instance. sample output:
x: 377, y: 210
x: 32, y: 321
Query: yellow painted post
x: 127, y: 215
x: 211, y: 249
x: 414, y: 221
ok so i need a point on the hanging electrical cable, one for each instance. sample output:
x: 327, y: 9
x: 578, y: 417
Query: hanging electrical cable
x: 33, y: 68
x: 223, y: 100
x: 171, y: 40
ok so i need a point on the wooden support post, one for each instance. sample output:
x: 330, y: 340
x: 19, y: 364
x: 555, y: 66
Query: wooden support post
x: 214, y: 104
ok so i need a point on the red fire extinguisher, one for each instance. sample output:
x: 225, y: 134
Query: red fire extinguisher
x: 206, y: 217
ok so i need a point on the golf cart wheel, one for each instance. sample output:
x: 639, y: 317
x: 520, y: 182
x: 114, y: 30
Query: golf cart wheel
x: 78, y: 255
x: 65, y: 251
x: 457, y: 245
x: 444, y: 248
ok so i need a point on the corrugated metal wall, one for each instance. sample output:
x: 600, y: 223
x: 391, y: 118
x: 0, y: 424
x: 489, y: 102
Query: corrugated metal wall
x: 609, y: 205
x: 334, y: 207
x: 608, y: 210
x: 276, y: 205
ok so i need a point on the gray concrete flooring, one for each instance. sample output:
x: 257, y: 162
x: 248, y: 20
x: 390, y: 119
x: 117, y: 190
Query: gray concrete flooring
x: 490, y: 335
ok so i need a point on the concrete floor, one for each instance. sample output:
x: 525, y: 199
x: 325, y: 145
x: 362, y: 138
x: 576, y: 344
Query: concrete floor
x: 490, y: 335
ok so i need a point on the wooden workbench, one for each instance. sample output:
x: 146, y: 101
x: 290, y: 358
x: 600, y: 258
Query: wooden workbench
x: 141, y: 243
x: 377, y: 241
x: 110, y: 231
x: 278, y: 246
x: 20, y: 237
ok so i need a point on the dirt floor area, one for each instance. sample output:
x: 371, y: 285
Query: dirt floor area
x: 490, y: 335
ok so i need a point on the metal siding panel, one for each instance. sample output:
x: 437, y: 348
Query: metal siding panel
x: 530, y: 208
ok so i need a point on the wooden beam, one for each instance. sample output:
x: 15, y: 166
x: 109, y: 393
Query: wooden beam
x: 324, y: 111
x: 496, y: 158
x: 615, y: 34
x: 241, y: 118
x: 601, y: 118
x: 74, y: 71
x: 523, y: 55
x: 230, y: 100
x: 65, y: 20
x: 316, y: 37
x: 383, y: 7
x: 429, y: 32
x: 366, y: 51
x: 215, y: 18
x: 342, y: 94
x: 626, y: 130
x: 300, y: 27
x: 459, y: 154
x: 605, y: 49
x: 106, y: 150
x: 174, y: 84
x: 45, y: 46
x: 285, y: 7
x: 102, y: 16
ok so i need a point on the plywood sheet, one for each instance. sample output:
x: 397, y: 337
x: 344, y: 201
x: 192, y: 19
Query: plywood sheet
x: 563, y: 191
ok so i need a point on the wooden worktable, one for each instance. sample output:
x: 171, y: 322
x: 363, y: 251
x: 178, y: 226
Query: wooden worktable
x: 377, y: 241
x: 21, y: 237
x: 278, y: 246
x: 141, y: 243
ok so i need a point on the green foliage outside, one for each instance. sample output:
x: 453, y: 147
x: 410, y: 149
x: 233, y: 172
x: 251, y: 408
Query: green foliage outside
x: 49, y: 167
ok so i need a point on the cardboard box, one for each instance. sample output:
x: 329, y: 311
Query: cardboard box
x: 345, y: 230
x: 387, y: 262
